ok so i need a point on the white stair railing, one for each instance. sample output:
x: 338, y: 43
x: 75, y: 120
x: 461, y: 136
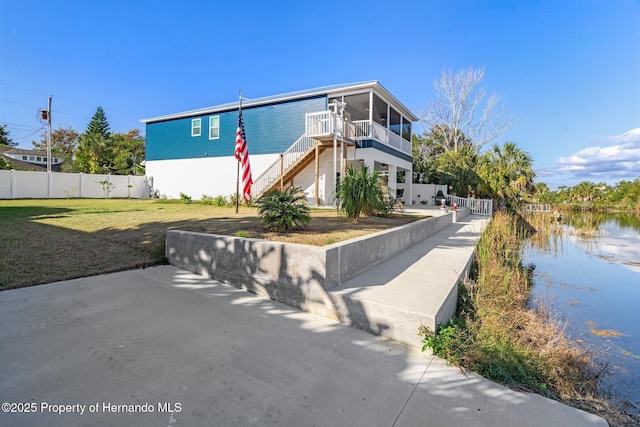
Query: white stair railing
x: 282, y: 165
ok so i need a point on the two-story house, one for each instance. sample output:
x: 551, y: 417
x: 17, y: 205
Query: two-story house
x: 304, y: 138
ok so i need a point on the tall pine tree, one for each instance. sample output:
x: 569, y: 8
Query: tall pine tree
x: 5, y: 139
x: 99, y: 124
x: 95, y: 150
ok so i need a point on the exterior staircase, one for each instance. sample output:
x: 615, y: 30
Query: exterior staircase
x: 290, y: 163
x: 321, y: 128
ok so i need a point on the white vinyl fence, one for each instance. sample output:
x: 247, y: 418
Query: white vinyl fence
x: 56, y: 185
x: 477, y: 206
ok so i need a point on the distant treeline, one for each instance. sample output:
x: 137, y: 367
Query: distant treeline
x: 625, y: 195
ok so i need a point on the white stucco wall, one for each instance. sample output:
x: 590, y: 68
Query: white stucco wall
x: 214, y: 176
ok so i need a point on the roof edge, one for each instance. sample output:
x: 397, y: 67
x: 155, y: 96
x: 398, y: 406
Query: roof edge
x: 308, y: 93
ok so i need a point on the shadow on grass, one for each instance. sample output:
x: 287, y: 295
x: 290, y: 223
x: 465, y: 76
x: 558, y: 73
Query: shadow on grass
x: 43, y: 244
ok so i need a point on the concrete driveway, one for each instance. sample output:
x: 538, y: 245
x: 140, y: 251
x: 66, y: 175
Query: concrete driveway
x: 164, y: 347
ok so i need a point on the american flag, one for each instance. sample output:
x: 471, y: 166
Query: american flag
x: 242, y: 154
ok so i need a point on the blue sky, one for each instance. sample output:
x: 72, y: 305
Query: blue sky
x: 570, y: 70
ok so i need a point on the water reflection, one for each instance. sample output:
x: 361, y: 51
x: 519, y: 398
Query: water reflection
x: 588, y: 270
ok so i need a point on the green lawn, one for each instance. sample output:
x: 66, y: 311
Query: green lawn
x: 44, y: 241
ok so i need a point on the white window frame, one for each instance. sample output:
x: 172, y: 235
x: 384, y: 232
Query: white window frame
x: 194, y: 127
x: 214, y: 127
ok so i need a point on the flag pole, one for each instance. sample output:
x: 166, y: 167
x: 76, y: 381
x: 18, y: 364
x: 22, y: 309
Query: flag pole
x: 238, y: 168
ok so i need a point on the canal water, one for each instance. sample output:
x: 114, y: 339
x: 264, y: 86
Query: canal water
x: 588, y: 272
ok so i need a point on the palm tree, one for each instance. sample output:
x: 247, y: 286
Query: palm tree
x: 507, y: 174
x: 584, y: 191
x: 457, y: 169
x: 359, y: 193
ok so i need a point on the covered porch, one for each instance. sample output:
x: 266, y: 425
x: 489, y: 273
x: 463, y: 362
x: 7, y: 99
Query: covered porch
x: 366, y: 125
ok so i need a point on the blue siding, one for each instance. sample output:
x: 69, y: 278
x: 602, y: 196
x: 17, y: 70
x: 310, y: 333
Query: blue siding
x: 269, y: 129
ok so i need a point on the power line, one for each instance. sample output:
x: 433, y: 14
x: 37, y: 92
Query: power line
x: 17, y: 124
x: 29, y: 135
x: 18, y: 103
x: 69, y: 99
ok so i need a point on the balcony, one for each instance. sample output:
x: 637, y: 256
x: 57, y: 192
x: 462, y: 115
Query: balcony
x: 366, y: 129
x: 325, y: 125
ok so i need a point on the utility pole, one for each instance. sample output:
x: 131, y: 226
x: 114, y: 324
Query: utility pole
x: 49, y: 135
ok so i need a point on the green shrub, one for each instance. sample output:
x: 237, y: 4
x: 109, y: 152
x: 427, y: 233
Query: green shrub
x: 359, y: 192
x: 215, y: 201
x: 284, y: 210
x: 185, y: 198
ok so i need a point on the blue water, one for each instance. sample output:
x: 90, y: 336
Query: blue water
x: 593, y: 283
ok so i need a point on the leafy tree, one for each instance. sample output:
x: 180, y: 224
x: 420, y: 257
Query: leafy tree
x: 586, y: 192
x: 460, y: 111
x: 589, y: 196
x: 507, y: 174
x: 359, y: 192
x: 457, y: 169
x: 4, y: 165
x: 433, y: 162
x: 626, y: 193
x: 95, y: 149
x: 100, y: 151
x: 425, y: 154
x: 542, y: 194
x: 284, y: 211
x: 94, y: 154
x: 64, y: 143
x: 5, y: 139
x: 128, y: 152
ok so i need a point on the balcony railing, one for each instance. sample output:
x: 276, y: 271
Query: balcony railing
x: 328, y: 123
x: 366, y: 129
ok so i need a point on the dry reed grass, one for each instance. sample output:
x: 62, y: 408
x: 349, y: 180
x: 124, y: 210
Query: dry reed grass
x: 501, y: 335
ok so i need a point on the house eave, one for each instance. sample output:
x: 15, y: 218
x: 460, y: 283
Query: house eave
x: 310, y: 93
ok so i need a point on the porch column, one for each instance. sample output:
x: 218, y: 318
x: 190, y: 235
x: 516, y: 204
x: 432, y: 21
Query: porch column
x: 317, y: 172
x: 370, y: 113
x: 409, y: 180
x: 343, y: 166
x: 392, y: 170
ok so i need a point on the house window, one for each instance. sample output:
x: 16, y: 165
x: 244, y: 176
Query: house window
x: 30, y: 157
x: 196, y: 127
x: 38, y: 159
x: 379, y: 111
x: 214, y: 127
x: 24, y: 157
x: 406, y: 129
x: 394, y: 121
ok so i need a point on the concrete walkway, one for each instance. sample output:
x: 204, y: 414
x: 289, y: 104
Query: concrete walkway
x: 417, y: 287
x: 164, y: 347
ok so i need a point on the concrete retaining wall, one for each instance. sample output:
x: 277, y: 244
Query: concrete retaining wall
x: 292, y: 273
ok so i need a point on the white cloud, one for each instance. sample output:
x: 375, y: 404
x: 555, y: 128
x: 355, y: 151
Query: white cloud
x: 611, y: 159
